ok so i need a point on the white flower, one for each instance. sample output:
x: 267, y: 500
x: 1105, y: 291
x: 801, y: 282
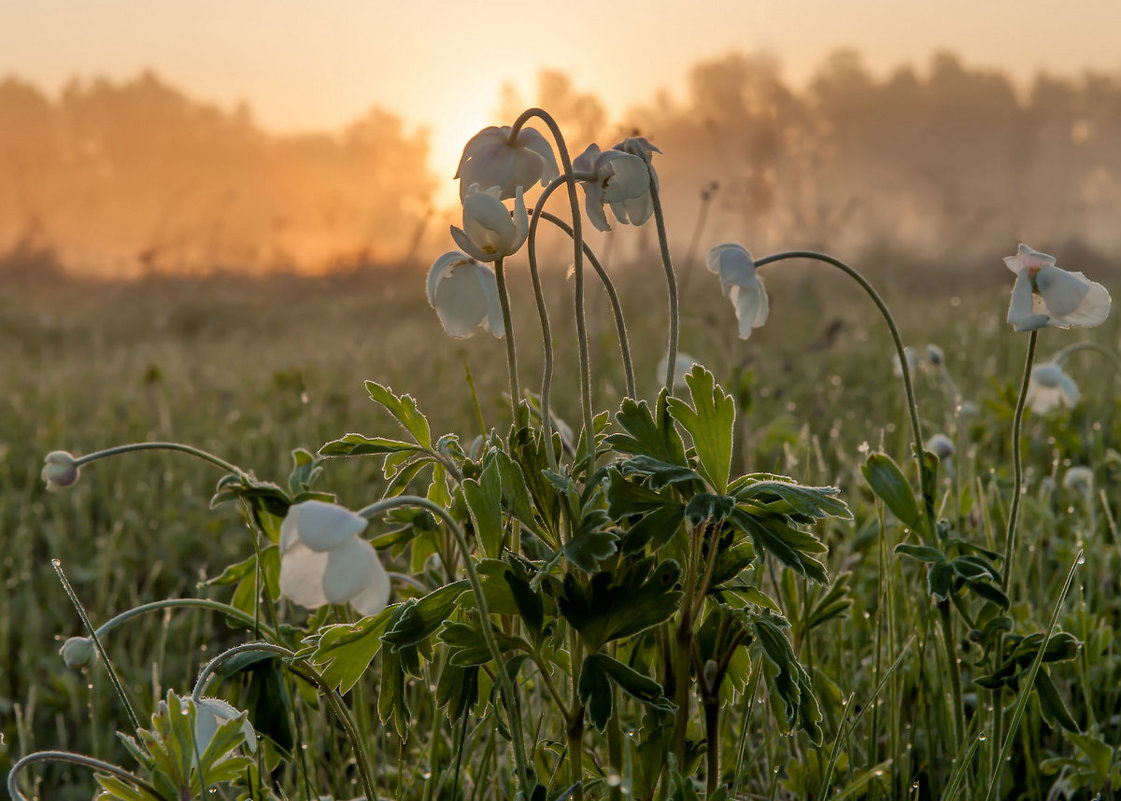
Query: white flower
x: 489, y: 231
x: 59, y: 470
x: 1049, y: 387
x: 1046, y: 295
x: 210, y: 713
x: 912, y: 362
x: 681, y: 366
x: 490, y: 160
x: 464, y: 294
x: 740, y: 285
x: 941, y: 446
x: 1079, y: 479
x: 621, y: 181
x: 323, y: 560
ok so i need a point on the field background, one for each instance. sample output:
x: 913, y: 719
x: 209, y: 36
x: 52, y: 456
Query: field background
x: 250, y: 369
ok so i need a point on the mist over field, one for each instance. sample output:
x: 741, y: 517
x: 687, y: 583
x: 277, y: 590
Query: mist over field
x: 937, y: 164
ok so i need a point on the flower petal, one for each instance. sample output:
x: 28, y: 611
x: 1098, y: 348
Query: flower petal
x: 461, y: 302
x: 1028, y: 259
x: 322, y: 526
x: 1094, y: 308
x: 301, y: 576
x: 1021, y: 310
x: 375, y: 597
x: 1062, y: 292
x: 350, y: 570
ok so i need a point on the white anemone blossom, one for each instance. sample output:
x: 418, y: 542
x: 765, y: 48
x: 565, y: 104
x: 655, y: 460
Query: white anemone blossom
x: 740, y: 284
x: 489, y: 230
x: 324, y: 561
x: 1050, y: 386
x: 210, y: 713
x: 464, y: 294
x: 490, y: 159
x: 620, y: 180
x: 1046, y: 295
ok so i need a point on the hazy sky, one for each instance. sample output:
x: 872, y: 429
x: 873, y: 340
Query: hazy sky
x: 441, y: 63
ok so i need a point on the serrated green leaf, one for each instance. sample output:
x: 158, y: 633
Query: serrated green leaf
x: 344, y: 651
x: 404, y: 410
x: 484, y: 501
x: 789, y: 545
x: 647, y: 436
x: 529, y: 603
x: 594, y: 691
x: 661, y: 474
x: 706, y: 506
x: 637, y: 685
x: 888, y: 482
x: 710, y: 421
x: 654, y: 530
x: 815, y: 502
x: 791, y: 683
x: 617, y: 604
x: 940, y: 580
x: 417, y: 620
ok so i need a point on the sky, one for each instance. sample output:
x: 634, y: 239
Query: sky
x: 441, y: 64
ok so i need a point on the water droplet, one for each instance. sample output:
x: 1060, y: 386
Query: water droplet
x: 914, y: 785
x: 982, y: 737
x: 426, y: 775
x: 56, y: 562
x: 614, y: 779
x: 1081, y: 558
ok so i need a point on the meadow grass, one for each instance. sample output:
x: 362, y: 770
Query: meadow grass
x: 250, y: 370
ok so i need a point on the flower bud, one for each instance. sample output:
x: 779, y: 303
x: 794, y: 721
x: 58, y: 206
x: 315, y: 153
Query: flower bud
x: 934, y: 355
x: 78, y: 652
x: 1079, y: 479
x: 60, y: 470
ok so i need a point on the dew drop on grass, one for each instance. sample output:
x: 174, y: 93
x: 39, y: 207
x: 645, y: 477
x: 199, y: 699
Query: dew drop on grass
x: 614, y: 779
x: 56, y: 562
x: 982, y: 737
x: 1081, y: 558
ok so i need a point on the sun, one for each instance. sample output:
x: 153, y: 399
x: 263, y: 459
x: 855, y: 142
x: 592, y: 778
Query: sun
x: 458, y: 122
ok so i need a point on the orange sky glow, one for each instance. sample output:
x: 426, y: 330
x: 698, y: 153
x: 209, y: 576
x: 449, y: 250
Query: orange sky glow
x: 441, y: 64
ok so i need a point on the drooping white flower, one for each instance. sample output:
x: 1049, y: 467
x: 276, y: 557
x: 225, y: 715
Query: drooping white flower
x: 489, y: 230
x: 210, y: 713
x: 1049, y: 386
x: 1046, y: 295
x: 489, y: 159
x: 324, y: 561
x: 740, y: 284
x: 621, y: 180
x: 464, y: 294
x: 59, y: 470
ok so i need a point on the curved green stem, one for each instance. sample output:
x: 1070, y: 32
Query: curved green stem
x: 158, y: 446
x: 578, y: 271
x: 76, y: 759
x: 671, y: 276
x: 186, y: 603
x: 1062, y: 355
x: 506, y: 685
x: 511, y: 351
x: 908, y: 385
x: 135, y: 721
x: 613, y: 297
x: 546, y: 331
x: 362, y: 759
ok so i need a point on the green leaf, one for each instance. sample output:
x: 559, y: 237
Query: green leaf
x: 833, y: 604
x: 790, y: 682
x: 1051, y: 703
x: 484, y: 502
x: 393, y: 709
x: 706, y: 506
x: 404, y: 409
x: 360, y: 445
x: 640, y: 594
x: 815, y: 502
x: 270, y: 704
x: 710, y: 421
x: 647, y: 436
x: 990, y: 592
x: 457, y: 690
x: 789, y: 545
x: 661, y: 474
x: 417, y: 620
x: 637, y: 685
x: 594, y: 691
x: 940, y: 580
x: 654, y: 530
x: 515, y: 493
x: 1097, y: 751
x: 924, y: 553
x: 888, y: 482
x: 344, y: 651
x: 530, y: 606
